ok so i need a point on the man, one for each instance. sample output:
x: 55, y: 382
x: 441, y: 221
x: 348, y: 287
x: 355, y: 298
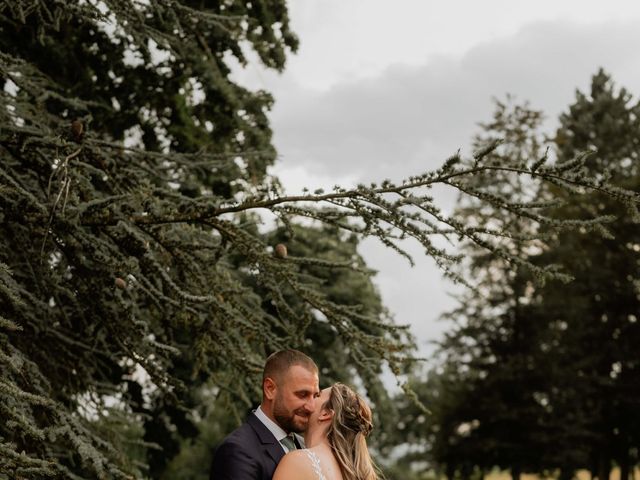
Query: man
x: 289, y: 391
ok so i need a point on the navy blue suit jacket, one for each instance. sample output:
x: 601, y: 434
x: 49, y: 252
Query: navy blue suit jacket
x: 250, y: 452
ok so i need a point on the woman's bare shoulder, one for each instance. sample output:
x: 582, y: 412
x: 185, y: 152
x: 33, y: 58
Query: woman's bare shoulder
x: 294, y: 466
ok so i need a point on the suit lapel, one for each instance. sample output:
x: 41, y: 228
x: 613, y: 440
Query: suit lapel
x: 269, y: 442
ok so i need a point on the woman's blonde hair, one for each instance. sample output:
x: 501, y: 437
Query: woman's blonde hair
x: 350, y: 425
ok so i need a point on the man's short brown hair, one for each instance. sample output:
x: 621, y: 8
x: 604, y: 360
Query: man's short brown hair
x: 279, y: 363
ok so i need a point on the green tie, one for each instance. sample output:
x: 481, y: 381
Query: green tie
x: 288, y: 442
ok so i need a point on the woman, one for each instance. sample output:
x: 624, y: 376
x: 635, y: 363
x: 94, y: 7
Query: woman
x: 335, y: 439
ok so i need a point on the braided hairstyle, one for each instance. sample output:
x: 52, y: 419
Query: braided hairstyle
x: 350, y: 425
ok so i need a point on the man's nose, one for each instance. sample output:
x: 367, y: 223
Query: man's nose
x: 310, y: 405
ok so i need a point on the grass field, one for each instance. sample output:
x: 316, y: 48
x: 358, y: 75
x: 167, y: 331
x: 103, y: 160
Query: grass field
x: 581, y: 475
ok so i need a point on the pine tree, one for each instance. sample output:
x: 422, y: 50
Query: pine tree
x: 550, y: 368
x: 486, y: 410
x: 134, y: 267
x: 600, y: 306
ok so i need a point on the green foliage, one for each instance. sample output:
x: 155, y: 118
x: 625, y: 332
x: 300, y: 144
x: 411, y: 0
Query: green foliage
x: 322, y: 255
x: 479, y: 396
x: 600, y: 307
x: 543, y: 376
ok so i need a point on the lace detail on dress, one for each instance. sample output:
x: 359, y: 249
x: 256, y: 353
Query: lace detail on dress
x: 315, y: 462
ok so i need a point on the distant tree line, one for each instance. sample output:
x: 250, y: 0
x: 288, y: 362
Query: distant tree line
x: 544, y: 377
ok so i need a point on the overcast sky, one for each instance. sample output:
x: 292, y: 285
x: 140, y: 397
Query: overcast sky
x: 383, y: 89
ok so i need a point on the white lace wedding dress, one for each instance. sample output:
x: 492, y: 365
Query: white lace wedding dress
x: 315, y: 462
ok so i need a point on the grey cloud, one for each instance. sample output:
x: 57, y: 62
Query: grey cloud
x: 409, y: 119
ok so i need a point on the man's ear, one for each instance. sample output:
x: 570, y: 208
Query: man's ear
x: 269, y: 388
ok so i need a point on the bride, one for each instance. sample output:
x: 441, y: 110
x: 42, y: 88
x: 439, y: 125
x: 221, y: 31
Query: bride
x: 335, y: 439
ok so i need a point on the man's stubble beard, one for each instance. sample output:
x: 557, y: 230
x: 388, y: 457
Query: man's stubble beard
x: 287, y: 419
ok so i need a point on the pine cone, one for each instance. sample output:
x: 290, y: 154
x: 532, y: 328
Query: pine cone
x: 77, y: 130
x: 280, y: 250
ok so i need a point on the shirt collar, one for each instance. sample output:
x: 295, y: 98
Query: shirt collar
x: 273, y: 427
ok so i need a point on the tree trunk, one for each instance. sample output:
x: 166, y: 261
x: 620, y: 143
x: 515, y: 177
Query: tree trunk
x: 516, y: 473
x: 450, y: 472
x: 465, y: 472
x: 604, y: 467
x: 624, y: 461
x: 593, y: 465
x: 566, y: 473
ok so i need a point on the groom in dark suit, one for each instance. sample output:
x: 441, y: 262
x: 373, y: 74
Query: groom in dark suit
x: 289, y: 391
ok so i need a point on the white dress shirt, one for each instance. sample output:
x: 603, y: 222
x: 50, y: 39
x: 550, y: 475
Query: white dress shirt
x: 273, y: 427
